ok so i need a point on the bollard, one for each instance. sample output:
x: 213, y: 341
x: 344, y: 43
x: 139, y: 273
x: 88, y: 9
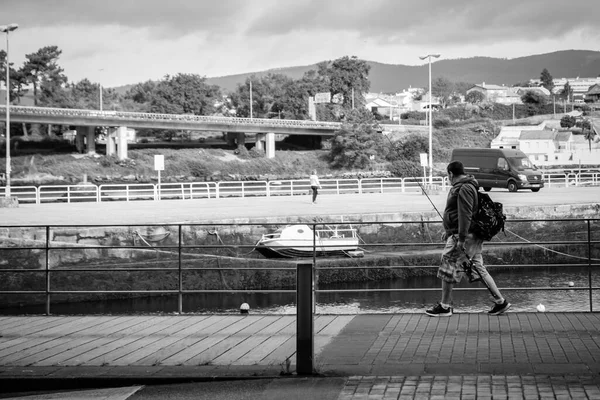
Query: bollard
x: 304, y: 319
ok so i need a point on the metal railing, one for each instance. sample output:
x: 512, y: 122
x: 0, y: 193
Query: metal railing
x: 201, y: 190
x: 283, y: 187
x: 72, y: 250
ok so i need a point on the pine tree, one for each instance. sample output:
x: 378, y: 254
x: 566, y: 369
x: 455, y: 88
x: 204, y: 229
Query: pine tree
x: 547, y: 80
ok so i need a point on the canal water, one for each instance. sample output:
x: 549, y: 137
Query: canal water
x: 570, y: 294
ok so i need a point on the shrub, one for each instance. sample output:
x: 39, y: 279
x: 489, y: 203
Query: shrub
x: 441, y: 122
x: 198, y: 169
x: 256, y: 153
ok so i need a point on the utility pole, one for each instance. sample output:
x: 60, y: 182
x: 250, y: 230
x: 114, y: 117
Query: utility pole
x: 251, y: 98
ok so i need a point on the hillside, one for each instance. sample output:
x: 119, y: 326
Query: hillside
x: 393, y: 78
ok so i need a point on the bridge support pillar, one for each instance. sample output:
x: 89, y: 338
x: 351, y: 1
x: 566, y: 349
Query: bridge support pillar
x: 90, y: 139
x: 260, y: 138
x: 80, y: 139
x: 270, y: 145
x: 111, y: 144
x: 122, y: 142
x: 241, y: 139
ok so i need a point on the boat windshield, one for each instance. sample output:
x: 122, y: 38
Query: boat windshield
x: 521, y: 163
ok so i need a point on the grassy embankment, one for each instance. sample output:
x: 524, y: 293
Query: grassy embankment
x: 193, y: 164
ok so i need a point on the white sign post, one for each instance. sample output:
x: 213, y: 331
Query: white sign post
x: 159, y: 165
x: 424, y: 164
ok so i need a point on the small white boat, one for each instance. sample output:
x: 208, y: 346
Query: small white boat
x: 299, y: 241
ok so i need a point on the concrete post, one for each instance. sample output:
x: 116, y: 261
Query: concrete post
x: 79, y: 139
x: 230, y: 137
x: 270, y: 145
x: 305, y: 351
x: 111, y: 147
x: 122, y: 142
x: 241, y: 139
x: 90, y: 139
x: 260, y: 137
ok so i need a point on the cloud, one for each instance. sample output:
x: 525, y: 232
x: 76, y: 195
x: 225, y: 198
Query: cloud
x: 136, y: 40
x: 427, y: 21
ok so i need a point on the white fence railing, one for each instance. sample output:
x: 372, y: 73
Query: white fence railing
x: 291, y: 187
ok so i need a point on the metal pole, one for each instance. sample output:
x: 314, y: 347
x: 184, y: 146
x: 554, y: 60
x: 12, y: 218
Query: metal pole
x: 180, y: 295
x: 430, y: 129
x: 100, y: 85
x: 47, y: 270
x: 304, y: 320
x: 250, y: 98
x: 589, y: 232
x: 7, y: 190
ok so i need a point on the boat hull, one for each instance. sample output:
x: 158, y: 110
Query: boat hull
x: 285, y: 249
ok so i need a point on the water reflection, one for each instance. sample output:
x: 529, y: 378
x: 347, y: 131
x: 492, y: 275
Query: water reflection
x: 569, y: 299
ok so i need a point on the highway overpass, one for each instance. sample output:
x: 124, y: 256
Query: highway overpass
x: 86, y: 120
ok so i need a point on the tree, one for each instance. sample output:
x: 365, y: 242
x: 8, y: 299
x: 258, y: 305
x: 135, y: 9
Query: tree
x: 347, y: 76
x: 443, y: 89
x: 85, y: 94
x: 41, y: 69
x: 567, y: 92
x: 474, y: 97
x: 534, y: 100
x: 297, y: 92
x: 546, y: 80
x: 567, y: 121
x: 18, y: 82
x: 268, y: 96
x: 357, y: 142
x: 589, y: 135
x: 184, y: 94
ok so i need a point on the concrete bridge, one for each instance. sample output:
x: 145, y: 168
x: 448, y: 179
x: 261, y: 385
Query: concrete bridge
x: 87, y: 120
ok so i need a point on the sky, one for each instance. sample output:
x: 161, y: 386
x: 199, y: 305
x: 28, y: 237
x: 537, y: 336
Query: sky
x: 119, y: 42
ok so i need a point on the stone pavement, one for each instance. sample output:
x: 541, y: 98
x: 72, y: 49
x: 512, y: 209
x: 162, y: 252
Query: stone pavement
x: 379, y: 356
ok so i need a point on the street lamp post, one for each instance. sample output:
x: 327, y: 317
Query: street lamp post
x: 7, y: 29
x: 430, y: 118
x: 100, y: 87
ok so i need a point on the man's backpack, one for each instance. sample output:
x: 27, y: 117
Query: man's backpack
x: 489, y: 218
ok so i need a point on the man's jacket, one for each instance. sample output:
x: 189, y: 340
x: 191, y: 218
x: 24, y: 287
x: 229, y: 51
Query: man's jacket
x: 460, y: 206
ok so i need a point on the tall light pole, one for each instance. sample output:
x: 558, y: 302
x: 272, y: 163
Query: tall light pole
x: 430, y: 115
x: 7, y: 29
x: 250, y: 98
x: 100, y: 87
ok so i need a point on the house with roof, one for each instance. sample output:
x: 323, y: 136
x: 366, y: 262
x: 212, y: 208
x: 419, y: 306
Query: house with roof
x: 536, y: 89
x: 547, y: 147
x: 508, y: 138
x: 491, y: 92
x: 382, y: 106
x: 593, y: 94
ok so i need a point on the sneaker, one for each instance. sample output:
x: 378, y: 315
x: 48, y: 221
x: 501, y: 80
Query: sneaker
x: 499, y: 308
x: 439, y: 311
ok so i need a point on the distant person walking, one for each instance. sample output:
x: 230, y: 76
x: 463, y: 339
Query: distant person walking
x: 461, y: 245
x: 315, y: 185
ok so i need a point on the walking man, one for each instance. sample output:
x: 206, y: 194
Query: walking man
x: 461, y: 245
x: 315, y: 185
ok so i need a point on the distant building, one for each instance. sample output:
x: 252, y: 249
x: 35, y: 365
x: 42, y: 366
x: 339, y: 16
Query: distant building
x: 544, y: 146
x: 491, y: 92
x: 536, y: 89
x: 593, y: 94
x: 580, y: 86
x: 508, y: 138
